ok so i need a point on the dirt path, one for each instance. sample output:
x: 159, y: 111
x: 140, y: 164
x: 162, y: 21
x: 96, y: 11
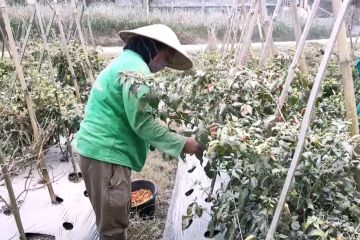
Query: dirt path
x: 113, y: 51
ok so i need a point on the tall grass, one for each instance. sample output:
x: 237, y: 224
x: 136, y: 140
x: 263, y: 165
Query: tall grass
x: 191, y: 26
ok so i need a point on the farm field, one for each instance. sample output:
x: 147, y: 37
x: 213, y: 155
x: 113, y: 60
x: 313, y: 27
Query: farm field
x: 277, y: 120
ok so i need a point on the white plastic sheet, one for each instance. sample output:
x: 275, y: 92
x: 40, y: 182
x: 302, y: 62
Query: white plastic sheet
x: 37, y: 212
x: 185, y: 181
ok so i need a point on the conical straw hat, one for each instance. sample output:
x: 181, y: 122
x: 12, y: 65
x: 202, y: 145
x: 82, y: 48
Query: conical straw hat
x: 163, y: 34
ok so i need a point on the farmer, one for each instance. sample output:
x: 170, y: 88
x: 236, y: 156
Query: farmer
x: 116, y: 132
x: 357, y: 70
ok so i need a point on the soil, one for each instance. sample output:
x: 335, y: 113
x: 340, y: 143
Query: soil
x: 38, y: 236
x: 162, y: 173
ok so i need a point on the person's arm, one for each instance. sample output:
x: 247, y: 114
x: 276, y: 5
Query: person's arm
x: 150, y: 130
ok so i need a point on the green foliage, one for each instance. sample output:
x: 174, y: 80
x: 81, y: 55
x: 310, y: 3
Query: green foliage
x: 55, y: 103
x: 237, y: 107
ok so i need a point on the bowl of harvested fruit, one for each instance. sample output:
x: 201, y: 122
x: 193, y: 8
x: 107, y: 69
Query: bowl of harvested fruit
x: 143, y: 197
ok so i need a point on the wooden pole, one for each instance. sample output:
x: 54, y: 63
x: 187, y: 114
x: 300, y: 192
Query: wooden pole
x: 229, y: 29
x: 52, y: 80
x: 19, y: 69
x: 83, y: 45
x: 67, y: 53
x: 296, y: 59
x: 346, y: 73
x: 23, y: 47
x: 146, y: 7
x: 73, y: 28
x: 4, y: 39
x: 347, y: 80
x: 265, y: 20
x: 238, y: 22
x: 260, y: 30
x: 268, y: 35
x: 297, y: 32
x: 3, y: 48
x: 350, y: 28
x: 307, y: 119
x: 14, y: 206
x: 244, y: 28
x: 249, y: 29
x: 28, y: 99
x: 70, y: 30
x: 46, y: 36
x: 89, y: 25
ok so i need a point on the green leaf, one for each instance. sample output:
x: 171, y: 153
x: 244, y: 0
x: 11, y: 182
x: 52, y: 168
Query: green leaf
x: 250, y: 237
x: 202, y: 135
x: 174, y: 100
x: 254, y: 182
x: 318, y: 233
x: 186, y: 222
x: 310, y: 221
x: 237, y: 104
x: 199, y: 211
x: 295, y: 225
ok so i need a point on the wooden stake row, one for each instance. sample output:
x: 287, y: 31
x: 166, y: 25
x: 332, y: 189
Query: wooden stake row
x: 264, y: 54
x: 28, y: 99
x: 307, y: 118
x: 45, y: 50
x: 297, y: 32
x: 297, y: 57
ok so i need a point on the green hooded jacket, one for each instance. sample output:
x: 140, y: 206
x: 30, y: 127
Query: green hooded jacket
x: 116, y: 129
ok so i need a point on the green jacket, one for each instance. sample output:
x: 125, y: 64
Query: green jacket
x: 116, y: 129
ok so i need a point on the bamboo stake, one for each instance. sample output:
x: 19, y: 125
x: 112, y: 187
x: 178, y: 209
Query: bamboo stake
x: 52, y: 79
x: 28, y: 99
x: 89, y: 25
x: 296, y: 59
x: 297, y: 32
x: 3, y: 49
x: 356, y: 39
x: 347, y: 80
x: 260, y: 30
x: 346, y: 72
x: 307, y: 119
x: 249, y: 29
x: 350, y: 31
x: 244, y: 28
x: 71, y: 30
x: 146, y: 7
x: 66, y: 51
x: 4, y: 39
x: 231, y: 22
x: 23, y: 48
x: 14, y: 206
x: 18, y: 32
x: 19, y: 69
x: 238, y: 25
x: 264, y: 53
x: 46, y: 36
x: 83, y: 45
x: 265, y: 20
x: 23, y: 30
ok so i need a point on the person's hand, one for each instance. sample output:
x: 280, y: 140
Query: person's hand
x: 194, y: 147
